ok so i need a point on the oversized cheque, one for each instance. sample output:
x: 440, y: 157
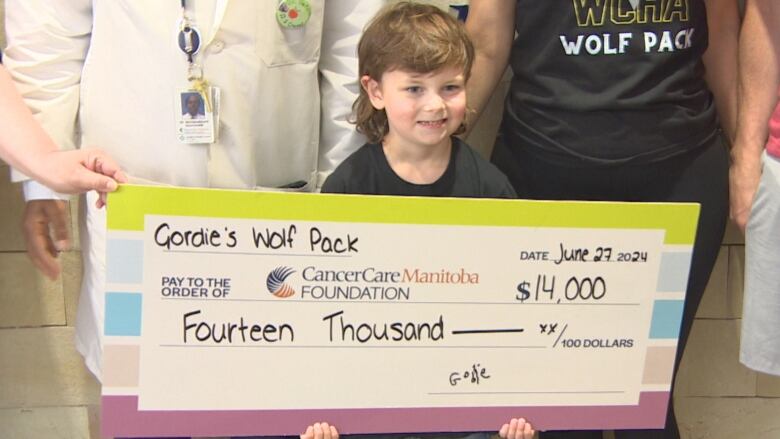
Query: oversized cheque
x: 232, y: 312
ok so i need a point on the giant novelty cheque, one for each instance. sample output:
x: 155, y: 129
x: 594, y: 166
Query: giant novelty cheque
x: 242, y: 312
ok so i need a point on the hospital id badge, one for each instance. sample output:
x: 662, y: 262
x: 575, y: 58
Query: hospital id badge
x: 195, y: 115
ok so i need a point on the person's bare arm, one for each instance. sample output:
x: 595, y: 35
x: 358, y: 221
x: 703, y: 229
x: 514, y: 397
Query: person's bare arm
x: 491, y: 26
x: 759, y: 80
x: 720, y: 60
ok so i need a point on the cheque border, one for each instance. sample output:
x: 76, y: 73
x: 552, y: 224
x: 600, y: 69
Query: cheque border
x: 121, y: 413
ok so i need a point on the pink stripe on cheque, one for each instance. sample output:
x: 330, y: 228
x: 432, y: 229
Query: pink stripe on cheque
x: 659, y: 365
x: 121, y: 418
x: 120, y: 365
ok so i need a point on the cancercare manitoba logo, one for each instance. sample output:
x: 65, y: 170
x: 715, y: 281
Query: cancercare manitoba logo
x: 276, y: 282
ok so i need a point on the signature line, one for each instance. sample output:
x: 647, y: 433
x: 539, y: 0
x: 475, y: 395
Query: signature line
x: 594, y: 392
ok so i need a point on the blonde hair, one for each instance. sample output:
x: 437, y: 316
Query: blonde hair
x: 407, y: 36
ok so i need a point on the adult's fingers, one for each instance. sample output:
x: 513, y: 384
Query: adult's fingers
x: 102, y: 200
x: 41, y: 247
x: 104, y: 165
x: 86, y: 180
x: 56, y: 212
x: 107, y: 166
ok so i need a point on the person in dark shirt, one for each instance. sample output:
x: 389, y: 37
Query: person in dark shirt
x: 616, y: 100
x: 414, y: 61
x: 411, y: 103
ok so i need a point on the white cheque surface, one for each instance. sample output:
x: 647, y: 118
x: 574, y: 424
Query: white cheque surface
x: 391, y: 315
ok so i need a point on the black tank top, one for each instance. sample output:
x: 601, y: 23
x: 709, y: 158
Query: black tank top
x: 609, y: 81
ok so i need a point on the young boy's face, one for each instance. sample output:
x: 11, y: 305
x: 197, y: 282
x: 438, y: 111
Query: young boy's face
x: 423, y: 109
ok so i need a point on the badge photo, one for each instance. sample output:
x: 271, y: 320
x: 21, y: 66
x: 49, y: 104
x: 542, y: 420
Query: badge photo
x: 194, y: 119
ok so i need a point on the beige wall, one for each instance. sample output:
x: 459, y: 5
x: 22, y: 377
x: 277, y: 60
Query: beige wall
x: 45, y: 392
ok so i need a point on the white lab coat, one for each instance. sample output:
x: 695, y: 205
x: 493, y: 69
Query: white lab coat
x: 105, y: 73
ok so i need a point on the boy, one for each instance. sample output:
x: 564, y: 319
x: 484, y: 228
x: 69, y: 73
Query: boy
x: 414, y: 61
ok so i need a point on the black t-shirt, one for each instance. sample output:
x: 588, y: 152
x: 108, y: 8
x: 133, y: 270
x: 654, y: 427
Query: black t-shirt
x: 468, y: 175
x: 609, y: 81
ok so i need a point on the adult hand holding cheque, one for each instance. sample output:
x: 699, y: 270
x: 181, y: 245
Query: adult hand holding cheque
x: 238, y: 313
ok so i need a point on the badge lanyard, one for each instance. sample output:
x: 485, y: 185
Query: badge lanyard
x: 289, y: 14
x: 191, y: 44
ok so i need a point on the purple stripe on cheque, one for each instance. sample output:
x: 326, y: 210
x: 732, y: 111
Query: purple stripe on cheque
x: 120, y: 417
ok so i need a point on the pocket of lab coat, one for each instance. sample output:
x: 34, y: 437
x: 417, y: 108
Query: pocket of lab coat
x: 279, y: 46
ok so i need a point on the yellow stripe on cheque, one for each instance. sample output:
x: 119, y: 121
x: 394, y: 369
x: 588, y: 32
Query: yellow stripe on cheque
x: 130, y: 203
